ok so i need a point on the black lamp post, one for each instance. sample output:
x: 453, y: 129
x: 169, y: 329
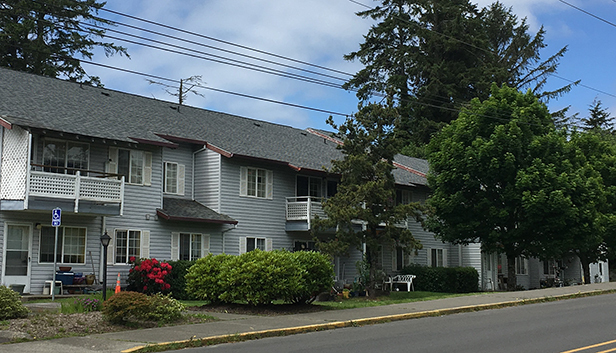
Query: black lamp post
x: 105, y: 239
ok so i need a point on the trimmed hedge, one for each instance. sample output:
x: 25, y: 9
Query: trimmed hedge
x: 443, y: 279
x: 260, y: 277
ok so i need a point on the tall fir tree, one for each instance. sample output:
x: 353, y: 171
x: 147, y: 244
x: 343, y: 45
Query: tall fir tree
x: 44, y: 36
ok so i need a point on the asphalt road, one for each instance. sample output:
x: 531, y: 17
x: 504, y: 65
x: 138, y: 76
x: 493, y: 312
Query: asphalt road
x: 568, y: 325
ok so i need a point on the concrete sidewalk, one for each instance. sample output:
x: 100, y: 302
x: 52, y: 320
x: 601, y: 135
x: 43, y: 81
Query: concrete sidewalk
x: 231, y: 324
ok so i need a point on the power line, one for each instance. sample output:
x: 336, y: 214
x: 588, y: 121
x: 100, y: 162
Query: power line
x: 224, y: 41
x: 217, y: 90
x: 588, y: 13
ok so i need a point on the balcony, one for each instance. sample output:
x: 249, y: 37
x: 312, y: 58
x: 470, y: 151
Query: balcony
x: 45, y: 190
x: 301, y: 210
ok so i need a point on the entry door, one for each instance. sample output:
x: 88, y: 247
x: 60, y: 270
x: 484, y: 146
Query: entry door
x: 17, y: 256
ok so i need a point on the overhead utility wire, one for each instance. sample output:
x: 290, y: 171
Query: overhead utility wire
x: 216, y: 89
x: 219, y: 49
x: 225, y: 42
x: 588, y: 13
x: 218, y: 59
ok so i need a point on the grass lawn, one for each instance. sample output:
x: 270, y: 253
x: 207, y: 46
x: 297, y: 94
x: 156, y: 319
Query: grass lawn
x: 362, y: 302
x: 392, y: 298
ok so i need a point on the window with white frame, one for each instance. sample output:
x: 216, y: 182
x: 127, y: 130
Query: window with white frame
x: 66, y: 156
x: 255, y: 182
x: 308, y: 186
x: 127, y: 245
x: 255, y: 243
x: 437, y: 257
x: 193, y: 246
x: 71, y: 247
x: 174, y: 178
x: 521, y: 266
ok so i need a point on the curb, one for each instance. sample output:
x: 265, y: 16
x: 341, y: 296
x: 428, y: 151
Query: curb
x: 238, y: 337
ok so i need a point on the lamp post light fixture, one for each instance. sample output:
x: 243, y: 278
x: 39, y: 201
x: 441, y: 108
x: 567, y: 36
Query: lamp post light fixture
x: 105, y: 239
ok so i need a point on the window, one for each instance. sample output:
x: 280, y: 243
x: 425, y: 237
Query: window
x: 255, y: 243
x: 301, y: 245
x: 174, y: 178
x: 308, y: 186
x: 127, y: 245
x: 193, y: 246
x: 71, y: 245
x: 131, y: 165
x: 403, y: 197
x: 400, y: 258
x: 332, y: 188
x: 549, y: 267
x: 256, y: 182
x: 437, y: 257
x: 67, y: 156
x: 521, y: 266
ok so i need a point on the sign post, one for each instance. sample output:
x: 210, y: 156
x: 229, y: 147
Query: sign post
x: 56, y: 221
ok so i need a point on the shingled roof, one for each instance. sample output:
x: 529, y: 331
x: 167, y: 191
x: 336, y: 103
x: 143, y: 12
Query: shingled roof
x: 39, y: 102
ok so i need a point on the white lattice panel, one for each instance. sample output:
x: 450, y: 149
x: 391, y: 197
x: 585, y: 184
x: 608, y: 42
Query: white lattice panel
x: 297, y: 211
x: 98, y: 189
x: 52, y: 185
x: 15, y: 161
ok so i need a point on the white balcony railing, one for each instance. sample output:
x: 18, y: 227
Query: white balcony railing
x: 304, y: 208
x: 76, y: 187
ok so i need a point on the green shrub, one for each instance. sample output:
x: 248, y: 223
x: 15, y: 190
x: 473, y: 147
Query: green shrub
x: 133, y: 307
x: 260, y: 277
x: 125, y: 307
x: 177, y: 279
x: 164, y: 309
x: 10, y: 304
x: 317, y: 276
x: 443, y: 279
x: 203, y: 279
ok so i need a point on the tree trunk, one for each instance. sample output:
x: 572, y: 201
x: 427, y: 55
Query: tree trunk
x: 512, y: 280
x: 585, y: 270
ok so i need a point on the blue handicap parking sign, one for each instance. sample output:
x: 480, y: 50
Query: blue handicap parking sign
x: 56, y: 217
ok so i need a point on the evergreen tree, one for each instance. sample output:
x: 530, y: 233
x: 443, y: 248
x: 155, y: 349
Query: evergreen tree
x: 433, y: 56
x: 364, y: 209
x: 599, y: 119
x: 44, y: 36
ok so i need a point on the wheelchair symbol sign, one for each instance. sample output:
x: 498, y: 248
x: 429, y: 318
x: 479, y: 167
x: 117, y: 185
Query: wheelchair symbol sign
x: 56, y: 217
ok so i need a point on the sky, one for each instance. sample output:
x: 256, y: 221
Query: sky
x: 320, y: 32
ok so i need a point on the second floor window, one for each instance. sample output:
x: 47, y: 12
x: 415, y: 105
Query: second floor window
x: 134, y: 165
x: 256, y: 182
x: 71, y: 245
x: 66, y: 155
x: 174, y: 178
x: 308, y: 186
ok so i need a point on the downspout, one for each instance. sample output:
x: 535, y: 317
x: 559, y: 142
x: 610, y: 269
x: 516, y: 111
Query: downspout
x: 223, y: 236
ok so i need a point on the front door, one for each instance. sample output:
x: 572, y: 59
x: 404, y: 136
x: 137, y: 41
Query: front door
x: 16, y: 267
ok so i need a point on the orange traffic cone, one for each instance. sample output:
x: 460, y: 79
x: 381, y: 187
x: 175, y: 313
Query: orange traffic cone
x: 117, y: 288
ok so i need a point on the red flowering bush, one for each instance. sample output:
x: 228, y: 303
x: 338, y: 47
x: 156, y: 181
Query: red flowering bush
x: 148, y: 276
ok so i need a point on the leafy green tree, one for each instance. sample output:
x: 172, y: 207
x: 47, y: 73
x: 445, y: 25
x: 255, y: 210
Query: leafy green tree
x: 480, y: 173
x: 44, y: 36
x: 364, y: 209
x: 433, y: 56
x: 593, y: 222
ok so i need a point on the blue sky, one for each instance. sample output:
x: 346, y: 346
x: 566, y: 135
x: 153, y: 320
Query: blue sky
x: 320, y: 32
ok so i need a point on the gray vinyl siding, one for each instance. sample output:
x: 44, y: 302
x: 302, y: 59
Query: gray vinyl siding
x: 41, y: 272
x: 256, y: 217
x: 208, y: 178
x: 182, y: 155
